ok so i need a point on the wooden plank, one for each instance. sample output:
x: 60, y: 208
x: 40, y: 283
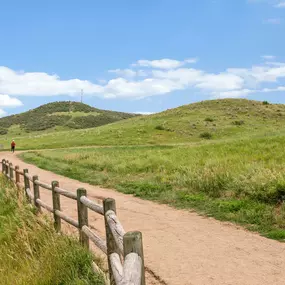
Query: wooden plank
x: 17, y: 174
x: 66, y: 218
x: 11, y: 171
x: 29, y: 177
x: 92, y: 205
x: 29, y: 194
x: 3, y: 165
x: 133, y: 244
x: 82, y: 217
x: 44, y: 205
x: 44, y: 185
x: 56, y: 206
x: 36, y: 193
x: 99, y: 242
x: 132, y: 274
x: 27, y: 184
x: 116, y: 229
x: 110, y: 204
x: 117, y: 268
x: 7, y: 168
x: 65, y: 193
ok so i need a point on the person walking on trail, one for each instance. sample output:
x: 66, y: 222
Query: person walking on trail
x: 13, y: 144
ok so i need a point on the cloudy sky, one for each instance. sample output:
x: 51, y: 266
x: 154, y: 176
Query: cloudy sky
x: 140, y: 56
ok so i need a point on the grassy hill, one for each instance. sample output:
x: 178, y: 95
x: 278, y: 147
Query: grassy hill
x: 204, y: 121
x: 224, y: 158
x: 59, y: 116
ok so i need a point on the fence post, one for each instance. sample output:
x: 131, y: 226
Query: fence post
x: 133, y: 243
x: 17, y: 174
x: 7, y: 168
x: 82, y: 217
x: 27, y: 183
x: 11, y: 171
x: 3, y: 165
x: 36, y: 193
x: 56, y: 206
x: 110, y: 204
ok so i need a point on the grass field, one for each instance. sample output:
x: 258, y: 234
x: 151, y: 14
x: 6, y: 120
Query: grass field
x: 32, y: 253
x: 241, y: 180
x: 209, y: 120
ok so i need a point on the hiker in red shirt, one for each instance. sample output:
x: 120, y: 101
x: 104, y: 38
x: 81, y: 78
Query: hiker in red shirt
x: 13, y: 144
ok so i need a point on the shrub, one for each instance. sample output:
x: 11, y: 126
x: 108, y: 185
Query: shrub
x: 265, y: 103
x: 3, y: 131
x: 238, y: 123
x: 160, y: 128
x: 206, y: 135
x: 209, y: 120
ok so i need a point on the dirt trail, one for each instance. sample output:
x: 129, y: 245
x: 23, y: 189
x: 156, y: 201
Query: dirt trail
x: 181, y: 247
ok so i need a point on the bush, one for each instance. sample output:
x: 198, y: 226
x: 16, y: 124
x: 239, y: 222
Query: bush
x: 3, y: 131
x: 160, y: 128
x: 206, y: 135
x: 265, y: 103
x: 238, y: 123
x: 209, y: 120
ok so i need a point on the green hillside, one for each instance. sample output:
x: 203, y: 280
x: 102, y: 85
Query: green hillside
x: 59, y: 116
x: 199, y: 122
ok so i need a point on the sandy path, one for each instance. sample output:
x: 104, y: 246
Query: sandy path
x: 181, y: 247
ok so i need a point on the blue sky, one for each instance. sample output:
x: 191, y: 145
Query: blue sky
x: 140, y: 56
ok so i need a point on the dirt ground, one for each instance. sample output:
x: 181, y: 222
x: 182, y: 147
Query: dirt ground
x: 181, y: 247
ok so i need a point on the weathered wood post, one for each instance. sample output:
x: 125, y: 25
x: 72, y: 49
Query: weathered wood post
x: 3, y: 165
x: 56, y: 206
x: 7, y: 168
x: 133, y: 243
x: 11, y: 171
x: 110, y: 204
x: 82, y: 217
x: 27, y: 183
x: 17, y: 174
x: 36, y: 193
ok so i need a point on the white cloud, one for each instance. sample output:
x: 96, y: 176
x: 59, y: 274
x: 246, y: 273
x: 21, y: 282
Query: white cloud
x: 245, y: 92
x: 2, y: 113
x: 7, y: 101
x: 42, y: 84
x: 275, y: 3
x: 275, y: 63
x: 268, y: 57
x: 280, y: 5
x: 232, y: 94
x: 274, y: 21
x: 148, y: 81
x: 124, y: 72
x: 129, y: 72
x: 144, y: 113
x: 222, y: 81
x: 165, y: 63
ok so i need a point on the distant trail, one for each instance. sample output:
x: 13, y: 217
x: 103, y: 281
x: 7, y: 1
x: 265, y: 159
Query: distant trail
x: 181, y: 247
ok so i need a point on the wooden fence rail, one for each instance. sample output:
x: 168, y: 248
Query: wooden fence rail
x: 124, y: 250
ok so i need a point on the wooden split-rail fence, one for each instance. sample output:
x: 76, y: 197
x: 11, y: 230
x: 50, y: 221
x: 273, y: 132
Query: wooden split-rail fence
x: 124, y: 250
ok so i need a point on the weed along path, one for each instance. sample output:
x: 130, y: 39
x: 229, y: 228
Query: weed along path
x: 181, y: 247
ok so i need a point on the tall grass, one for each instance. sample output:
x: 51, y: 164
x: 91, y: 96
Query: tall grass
x: 242, y: 181
x: 32, y: 253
